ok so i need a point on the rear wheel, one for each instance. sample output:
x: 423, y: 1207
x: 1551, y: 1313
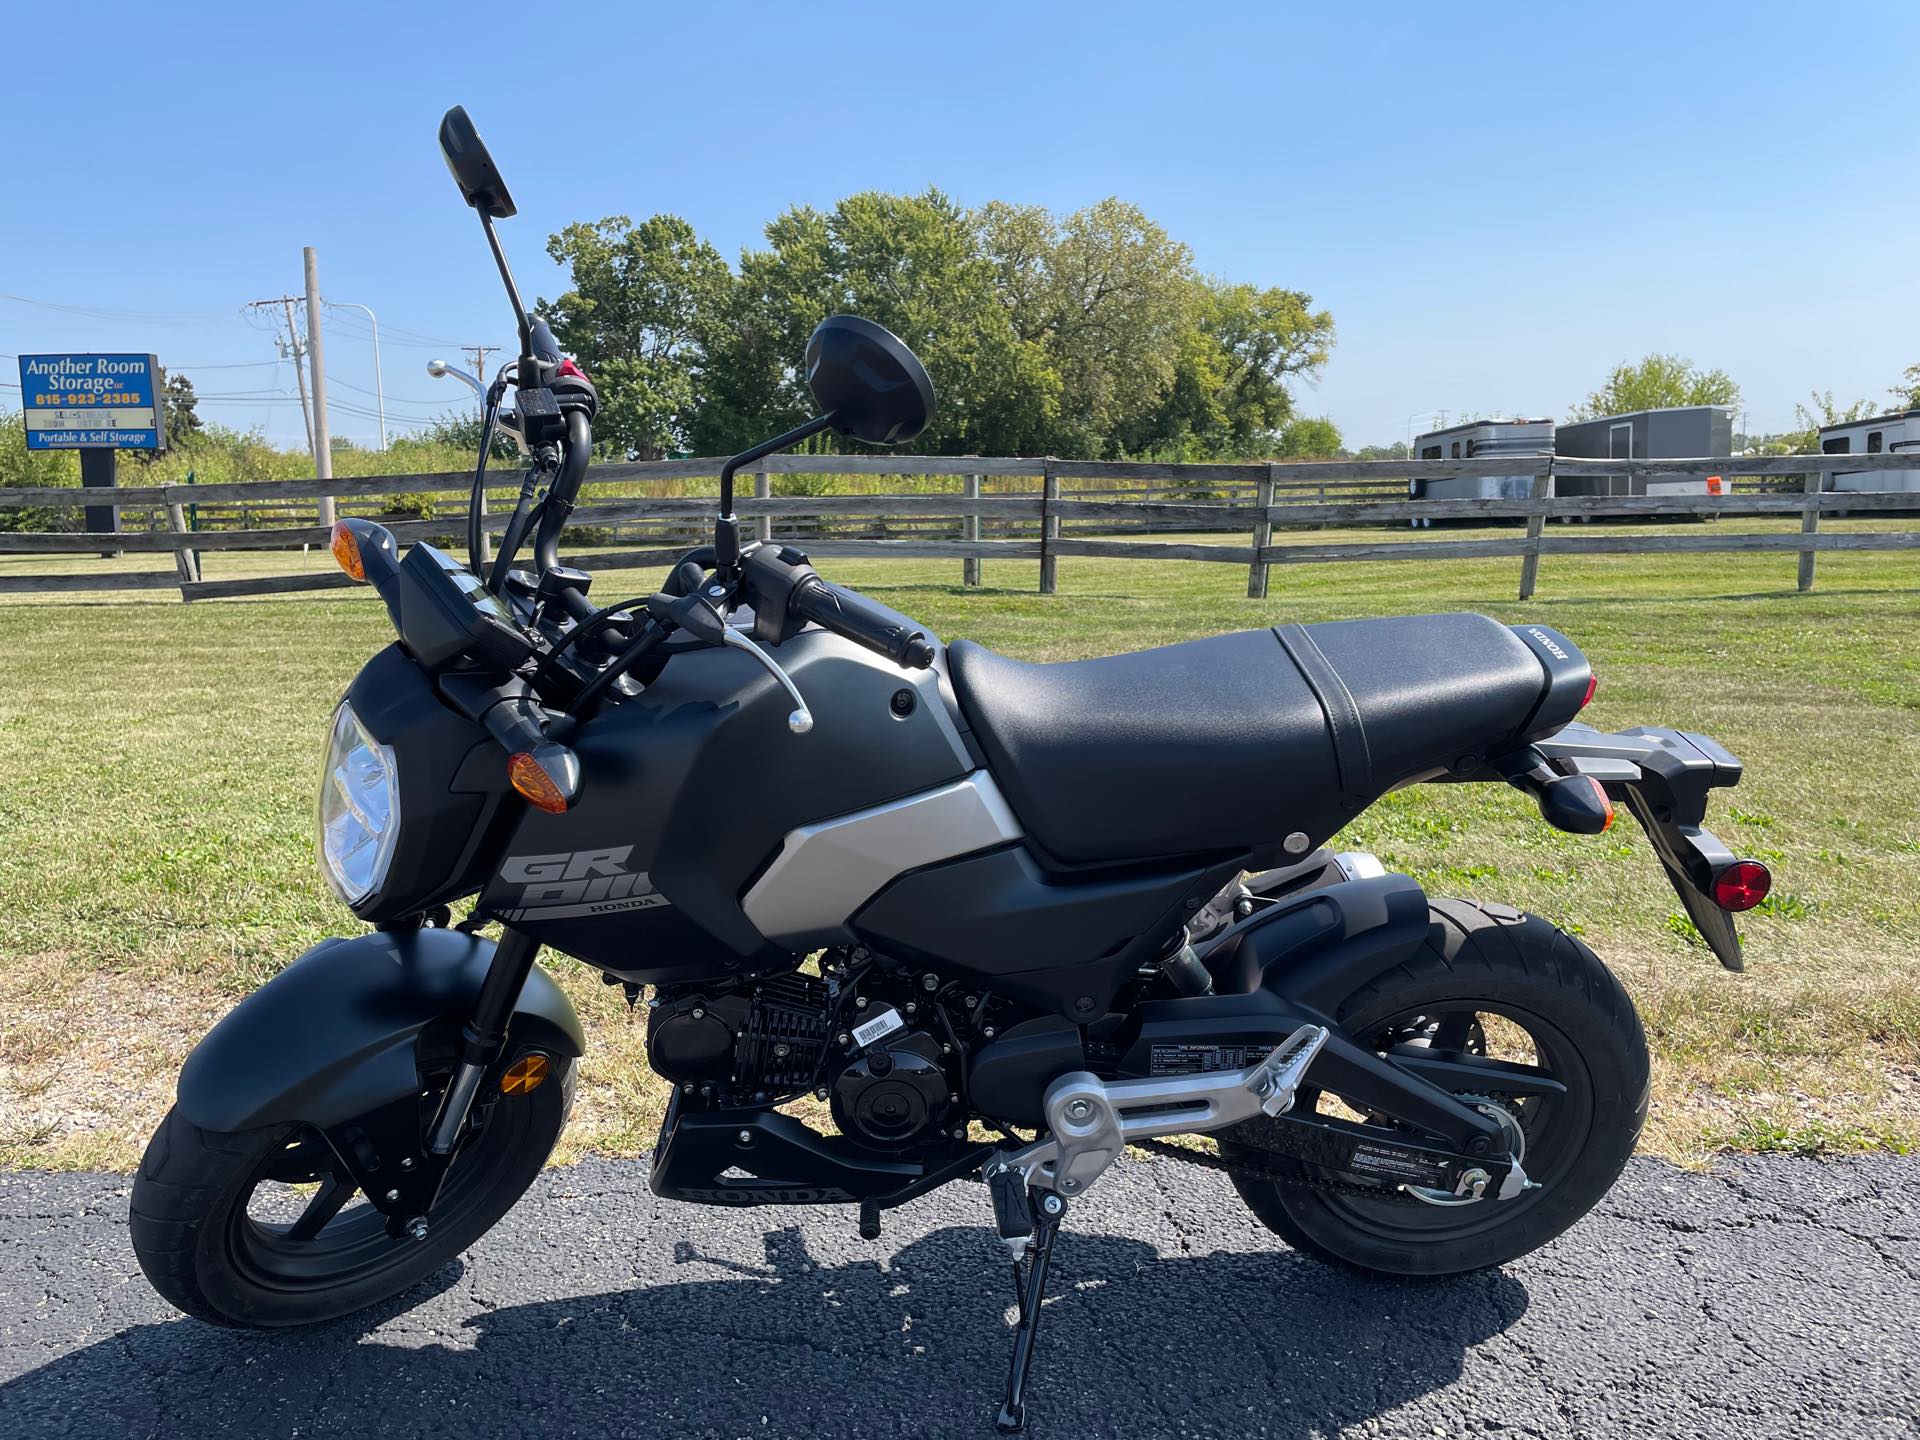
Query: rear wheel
x: 266, y: 1228
x: 1490, y: 983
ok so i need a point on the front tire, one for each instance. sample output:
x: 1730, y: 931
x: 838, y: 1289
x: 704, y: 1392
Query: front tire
x: 1485, y: 971
x: 223, y: 1237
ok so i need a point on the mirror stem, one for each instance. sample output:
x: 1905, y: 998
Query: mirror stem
x: 513, y: 294
x: 726, y: 529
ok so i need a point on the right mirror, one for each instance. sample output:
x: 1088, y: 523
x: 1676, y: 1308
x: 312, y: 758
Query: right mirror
x: 473, y: 169
x: 868, y: 380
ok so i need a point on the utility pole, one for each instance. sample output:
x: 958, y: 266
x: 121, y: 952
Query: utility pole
x: 322, y: 445
x: 480, y: 353
x: 295, y: 350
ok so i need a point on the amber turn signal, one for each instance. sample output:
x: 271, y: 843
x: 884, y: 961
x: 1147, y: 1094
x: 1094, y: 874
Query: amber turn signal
x: 524, y: 1075
x: 539, y: 788
x: 346, y: 550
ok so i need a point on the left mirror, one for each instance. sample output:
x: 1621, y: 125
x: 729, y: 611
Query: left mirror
x: 473, y: 168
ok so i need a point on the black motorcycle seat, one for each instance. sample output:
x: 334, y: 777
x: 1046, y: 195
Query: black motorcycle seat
x: 1237, y: 741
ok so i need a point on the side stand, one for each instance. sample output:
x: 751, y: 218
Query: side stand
x: 1029, y: 1289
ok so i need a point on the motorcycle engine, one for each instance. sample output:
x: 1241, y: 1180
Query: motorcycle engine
x: 886, y: 1082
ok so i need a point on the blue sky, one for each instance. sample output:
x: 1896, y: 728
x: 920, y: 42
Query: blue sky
x: 1497, y: 203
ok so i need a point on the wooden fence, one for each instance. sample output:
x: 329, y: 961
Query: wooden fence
x: 1032, y: 509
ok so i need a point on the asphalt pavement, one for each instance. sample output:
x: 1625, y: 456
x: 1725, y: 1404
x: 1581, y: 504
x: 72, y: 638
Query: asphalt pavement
x: 1777, y: 1297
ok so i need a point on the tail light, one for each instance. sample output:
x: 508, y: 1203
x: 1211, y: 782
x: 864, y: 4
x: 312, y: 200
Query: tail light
x: 1593, y: 684
x: 1742, y: 885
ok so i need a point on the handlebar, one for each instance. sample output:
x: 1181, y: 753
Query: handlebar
x: 858, y: 619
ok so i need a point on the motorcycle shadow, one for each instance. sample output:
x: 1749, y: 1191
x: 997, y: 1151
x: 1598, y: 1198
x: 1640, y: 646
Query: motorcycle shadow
x: 1131, y: 1344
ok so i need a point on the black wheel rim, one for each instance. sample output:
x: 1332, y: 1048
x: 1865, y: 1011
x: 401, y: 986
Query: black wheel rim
x: 1555, y: 1126
x: 283, y: 1238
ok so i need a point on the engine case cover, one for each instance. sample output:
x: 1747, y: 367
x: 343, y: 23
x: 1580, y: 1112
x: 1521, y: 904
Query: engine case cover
x: 892, y: 1095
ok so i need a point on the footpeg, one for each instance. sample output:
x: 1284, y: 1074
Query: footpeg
x: 1092, y: 1120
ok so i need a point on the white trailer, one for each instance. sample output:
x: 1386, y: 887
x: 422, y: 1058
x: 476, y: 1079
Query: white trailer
x: 1891, y: 434
x: 1480, y: 438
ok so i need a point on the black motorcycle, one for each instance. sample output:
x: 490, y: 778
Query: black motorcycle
x: 1005, y: 920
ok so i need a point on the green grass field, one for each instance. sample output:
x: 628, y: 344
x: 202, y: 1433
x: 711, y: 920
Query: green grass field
x: 156, y: 860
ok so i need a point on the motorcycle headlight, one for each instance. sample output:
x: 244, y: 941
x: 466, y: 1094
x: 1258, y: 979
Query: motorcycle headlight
x: 359, y: 809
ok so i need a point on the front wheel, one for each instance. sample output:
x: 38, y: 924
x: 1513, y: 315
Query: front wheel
x: 265, y: 1228
x: 1494, y: 984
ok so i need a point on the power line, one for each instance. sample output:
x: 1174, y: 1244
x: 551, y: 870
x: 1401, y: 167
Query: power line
x: 286, y: 302
x: 140, y: 317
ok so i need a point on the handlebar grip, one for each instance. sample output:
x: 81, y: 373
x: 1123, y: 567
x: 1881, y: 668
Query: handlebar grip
x: 863, y: 622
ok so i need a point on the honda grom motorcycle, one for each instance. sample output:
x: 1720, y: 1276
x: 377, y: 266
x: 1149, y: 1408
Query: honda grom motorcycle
x: 1004, y: 920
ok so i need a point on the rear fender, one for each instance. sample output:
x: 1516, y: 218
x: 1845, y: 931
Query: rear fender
x: 334, y: 1035
x: 1665, y: 777
x: 1317, y: 947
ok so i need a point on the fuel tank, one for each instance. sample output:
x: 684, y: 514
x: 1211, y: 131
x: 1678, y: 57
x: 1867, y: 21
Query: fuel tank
x: 689, y: 790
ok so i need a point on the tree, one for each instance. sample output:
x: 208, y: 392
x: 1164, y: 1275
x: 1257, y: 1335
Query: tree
x: 183, y: 419
x: 1308, y: 438
x: 36, y: 468
x: 908, y: 262
x: 1230, y: 393
x: 1656, y: 383
x: 1396, y: 451
x: 1087, y: 335
x: 1906, y: 394
x: 1108, y: 297
x: 644, y: 301
x: 1821, y: 412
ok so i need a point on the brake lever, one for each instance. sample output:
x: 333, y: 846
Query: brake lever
x: 696, y: 615
x: 801, y: 720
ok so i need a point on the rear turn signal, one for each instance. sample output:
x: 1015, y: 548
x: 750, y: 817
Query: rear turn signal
x: 346, y: 550
x: 1742, y: 885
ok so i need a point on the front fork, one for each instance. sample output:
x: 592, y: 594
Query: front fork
x: 383, y: 1149
x: 482, y: 1038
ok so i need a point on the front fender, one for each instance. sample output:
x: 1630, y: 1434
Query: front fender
x: 333, y: 1035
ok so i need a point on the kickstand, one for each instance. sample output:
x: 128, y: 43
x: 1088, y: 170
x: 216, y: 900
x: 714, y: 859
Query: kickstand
x: 1029, y: 1289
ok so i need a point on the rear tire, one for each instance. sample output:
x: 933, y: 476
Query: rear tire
x: 210, y: 1256
x: 1521, y: 970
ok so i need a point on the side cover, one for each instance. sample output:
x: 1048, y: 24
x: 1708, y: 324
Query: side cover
x: 333, y: 1035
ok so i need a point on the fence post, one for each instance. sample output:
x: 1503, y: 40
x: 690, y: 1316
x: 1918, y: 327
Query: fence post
x: 1262, y: 536
x: 1536, y: 527
x: 1049, y: 530
x: 185, y: 560
x: 762, y: 490
x: 1809, y: 525
x: 970, y: 530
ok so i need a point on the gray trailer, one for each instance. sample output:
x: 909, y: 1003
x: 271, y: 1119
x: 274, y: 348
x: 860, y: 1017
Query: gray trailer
x: 1480, y: 438
x: 1897, y: 433
x: 1684, y: 432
